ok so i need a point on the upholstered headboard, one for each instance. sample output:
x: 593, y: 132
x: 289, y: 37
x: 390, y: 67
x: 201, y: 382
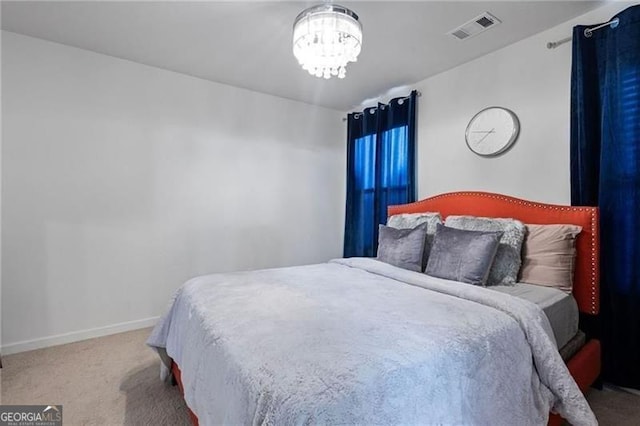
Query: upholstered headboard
x: 586, y: 288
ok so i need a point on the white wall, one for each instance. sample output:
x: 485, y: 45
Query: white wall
x: 0, y: 196
x: 525, y: 77
x: 120, y: 181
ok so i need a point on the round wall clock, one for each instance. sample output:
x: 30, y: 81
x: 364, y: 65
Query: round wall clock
x: 492, y: 131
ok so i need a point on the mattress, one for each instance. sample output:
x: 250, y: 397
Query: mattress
x: 574, y: 345
x: 561, y: 308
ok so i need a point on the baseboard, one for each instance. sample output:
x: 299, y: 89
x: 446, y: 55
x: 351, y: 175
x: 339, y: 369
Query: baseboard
x: 609, y: 386
x: 75, y: 336
x: 633, y: 391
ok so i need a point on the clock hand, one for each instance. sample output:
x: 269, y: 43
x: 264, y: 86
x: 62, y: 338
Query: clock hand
x: 488, y: 133
x: 483, y: 131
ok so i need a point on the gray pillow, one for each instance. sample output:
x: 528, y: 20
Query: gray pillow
x: 402, y: 247
x: 411, y: 220
x: 508, y: 258
x: 464, y: 256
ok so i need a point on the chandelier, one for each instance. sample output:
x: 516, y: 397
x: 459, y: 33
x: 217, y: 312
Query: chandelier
x: 326, y: 38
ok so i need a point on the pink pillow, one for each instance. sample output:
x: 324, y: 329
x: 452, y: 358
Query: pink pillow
x: 549, y: 255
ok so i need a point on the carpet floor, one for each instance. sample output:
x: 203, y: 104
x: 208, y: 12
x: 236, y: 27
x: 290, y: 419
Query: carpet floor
x: 114, y: 380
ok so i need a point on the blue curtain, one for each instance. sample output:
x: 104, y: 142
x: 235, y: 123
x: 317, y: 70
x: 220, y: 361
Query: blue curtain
x: 380, y: 170
x: 605, y: 172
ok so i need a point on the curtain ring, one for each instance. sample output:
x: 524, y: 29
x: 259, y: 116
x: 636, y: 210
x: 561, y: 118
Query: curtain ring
x: 615, y: 22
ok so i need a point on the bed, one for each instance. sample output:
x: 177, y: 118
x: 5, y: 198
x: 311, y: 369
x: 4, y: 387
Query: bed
x: 359, y: 341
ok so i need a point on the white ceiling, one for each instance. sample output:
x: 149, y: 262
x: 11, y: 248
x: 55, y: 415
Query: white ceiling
x: 248, y: 44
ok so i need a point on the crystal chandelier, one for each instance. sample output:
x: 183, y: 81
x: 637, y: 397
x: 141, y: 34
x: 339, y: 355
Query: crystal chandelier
x: 326, y: 38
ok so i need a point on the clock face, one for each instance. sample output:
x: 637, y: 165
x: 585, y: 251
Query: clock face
x: 492, y: 131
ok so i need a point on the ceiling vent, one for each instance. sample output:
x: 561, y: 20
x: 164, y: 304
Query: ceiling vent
x: 475, y: 26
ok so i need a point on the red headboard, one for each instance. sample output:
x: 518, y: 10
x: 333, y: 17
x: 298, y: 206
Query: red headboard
x: 586, y: 287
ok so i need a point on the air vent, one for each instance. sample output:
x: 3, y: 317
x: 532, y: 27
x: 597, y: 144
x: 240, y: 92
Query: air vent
x: 460, y: 34
x: 475, y: 26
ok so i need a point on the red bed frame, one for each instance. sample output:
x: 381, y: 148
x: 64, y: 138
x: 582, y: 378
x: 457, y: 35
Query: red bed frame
x: 585, y: 365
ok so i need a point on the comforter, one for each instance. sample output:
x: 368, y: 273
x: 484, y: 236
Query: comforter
x: 358, y: 341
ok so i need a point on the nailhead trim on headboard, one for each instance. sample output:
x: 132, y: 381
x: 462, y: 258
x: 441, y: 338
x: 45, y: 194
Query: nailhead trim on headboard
x: 594, y: 285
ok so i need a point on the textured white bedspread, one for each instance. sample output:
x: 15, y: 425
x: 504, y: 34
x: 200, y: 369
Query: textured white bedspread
x: 357, y: 341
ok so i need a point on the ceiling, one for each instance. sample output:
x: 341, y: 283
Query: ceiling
x: 248, y: 44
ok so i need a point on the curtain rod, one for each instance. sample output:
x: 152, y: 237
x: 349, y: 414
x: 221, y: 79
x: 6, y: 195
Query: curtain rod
x: 588, y: 32
x: 418, y: 94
